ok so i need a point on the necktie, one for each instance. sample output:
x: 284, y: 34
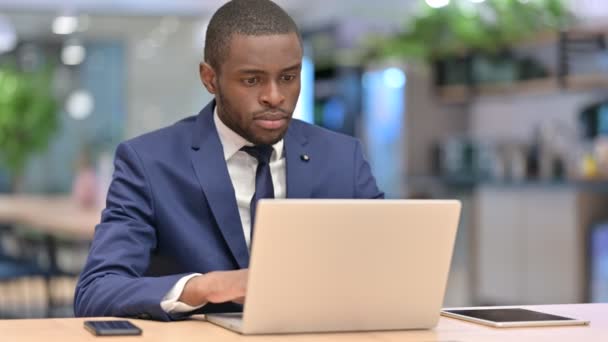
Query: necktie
x: 263, y: 178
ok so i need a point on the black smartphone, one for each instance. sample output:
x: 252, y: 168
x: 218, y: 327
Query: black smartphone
x: 111, y: 328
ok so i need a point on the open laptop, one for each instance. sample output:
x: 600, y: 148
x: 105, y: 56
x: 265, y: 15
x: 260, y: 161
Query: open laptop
x: 346, y: 265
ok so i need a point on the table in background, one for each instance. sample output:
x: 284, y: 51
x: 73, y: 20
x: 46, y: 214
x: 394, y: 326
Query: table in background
x: 61, y: 225
x: 58, y: 216
x: 448, y: 329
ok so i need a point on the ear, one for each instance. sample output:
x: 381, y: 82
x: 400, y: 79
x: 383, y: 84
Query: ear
x: 208, y: 77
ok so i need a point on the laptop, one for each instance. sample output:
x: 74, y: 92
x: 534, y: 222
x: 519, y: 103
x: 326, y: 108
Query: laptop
x: 346, y: 265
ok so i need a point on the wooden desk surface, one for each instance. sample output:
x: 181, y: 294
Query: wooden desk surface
x: 56, y: 215
x: 71, y: 329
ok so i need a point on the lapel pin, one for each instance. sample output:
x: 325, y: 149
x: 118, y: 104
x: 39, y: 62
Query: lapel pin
x: 305, y: 157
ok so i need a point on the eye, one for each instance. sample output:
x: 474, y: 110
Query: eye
x: 251, y: 81
x: 288, y: 78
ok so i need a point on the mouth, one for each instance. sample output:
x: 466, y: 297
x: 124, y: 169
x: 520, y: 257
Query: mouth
x: 271, y: 121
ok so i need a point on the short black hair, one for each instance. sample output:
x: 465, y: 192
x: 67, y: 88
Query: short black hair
x: 246, y: 17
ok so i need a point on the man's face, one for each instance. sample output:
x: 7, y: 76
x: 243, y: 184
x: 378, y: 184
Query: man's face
x: 258, y: 85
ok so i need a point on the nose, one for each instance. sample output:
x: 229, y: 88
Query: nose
x: 271, y: 95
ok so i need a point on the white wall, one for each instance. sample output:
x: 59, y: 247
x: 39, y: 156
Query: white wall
x: 161, y: 89
x: 164, y: 87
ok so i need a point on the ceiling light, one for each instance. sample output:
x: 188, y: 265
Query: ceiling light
x: 80, y: 104
x: 394, y: 78
x: 65, y: 24
x: 73, y: 54
x: 437, y: 3
x: 8, y: 36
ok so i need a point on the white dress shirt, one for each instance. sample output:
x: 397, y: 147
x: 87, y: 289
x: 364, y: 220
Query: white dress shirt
x: 242, y: 169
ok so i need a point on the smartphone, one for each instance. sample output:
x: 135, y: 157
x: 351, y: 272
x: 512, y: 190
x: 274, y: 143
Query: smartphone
x: 112, y: 328
x: 511, y: 317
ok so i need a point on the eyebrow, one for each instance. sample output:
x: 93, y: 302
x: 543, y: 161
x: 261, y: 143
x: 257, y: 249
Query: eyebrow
x: 293, y: 67
x: 258, y: 71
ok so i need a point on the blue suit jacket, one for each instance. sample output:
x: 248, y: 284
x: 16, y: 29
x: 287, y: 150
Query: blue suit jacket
x: 171, y: 210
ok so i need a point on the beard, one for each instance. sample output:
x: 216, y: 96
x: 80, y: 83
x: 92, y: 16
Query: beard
x: 230, y: 117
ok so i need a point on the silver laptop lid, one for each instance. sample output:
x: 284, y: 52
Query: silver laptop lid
x: 344, y: 265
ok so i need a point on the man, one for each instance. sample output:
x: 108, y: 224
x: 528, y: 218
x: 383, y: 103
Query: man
x: 184, y: 197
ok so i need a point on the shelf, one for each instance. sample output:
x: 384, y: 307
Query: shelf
x: 456, y: 94
x: 548, y: 37
x: 568, y: 45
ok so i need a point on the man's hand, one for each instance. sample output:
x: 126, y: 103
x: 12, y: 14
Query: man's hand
x: 216, y: 287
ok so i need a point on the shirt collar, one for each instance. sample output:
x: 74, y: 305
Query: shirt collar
x: 232, y: 141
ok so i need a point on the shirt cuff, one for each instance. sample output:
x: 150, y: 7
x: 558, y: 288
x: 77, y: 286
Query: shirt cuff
x: 170, y: 302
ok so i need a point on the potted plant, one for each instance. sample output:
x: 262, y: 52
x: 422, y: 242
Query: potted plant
x: 452, y: 37
x: 28, y: 118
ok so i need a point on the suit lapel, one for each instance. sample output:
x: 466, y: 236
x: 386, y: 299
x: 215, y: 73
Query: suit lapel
x: 298, y: 167
x: 212, y: 173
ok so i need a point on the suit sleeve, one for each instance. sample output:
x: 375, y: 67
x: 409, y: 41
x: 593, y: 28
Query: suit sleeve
x: 112, y: 282
x: 365, y: 183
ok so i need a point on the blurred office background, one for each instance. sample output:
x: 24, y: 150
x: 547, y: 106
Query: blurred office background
x: 500, y: 103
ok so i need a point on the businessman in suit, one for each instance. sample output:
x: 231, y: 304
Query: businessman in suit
x: 184, y: 197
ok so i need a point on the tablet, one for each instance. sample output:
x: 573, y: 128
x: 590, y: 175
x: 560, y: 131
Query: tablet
x: 511, y: 317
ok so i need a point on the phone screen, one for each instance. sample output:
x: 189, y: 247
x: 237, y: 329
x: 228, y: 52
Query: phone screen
x: 112, y: 328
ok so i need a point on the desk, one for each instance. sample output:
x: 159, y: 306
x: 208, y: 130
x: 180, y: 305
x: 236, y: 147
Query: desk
x: 58, y: 216
x: 71, y: 329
